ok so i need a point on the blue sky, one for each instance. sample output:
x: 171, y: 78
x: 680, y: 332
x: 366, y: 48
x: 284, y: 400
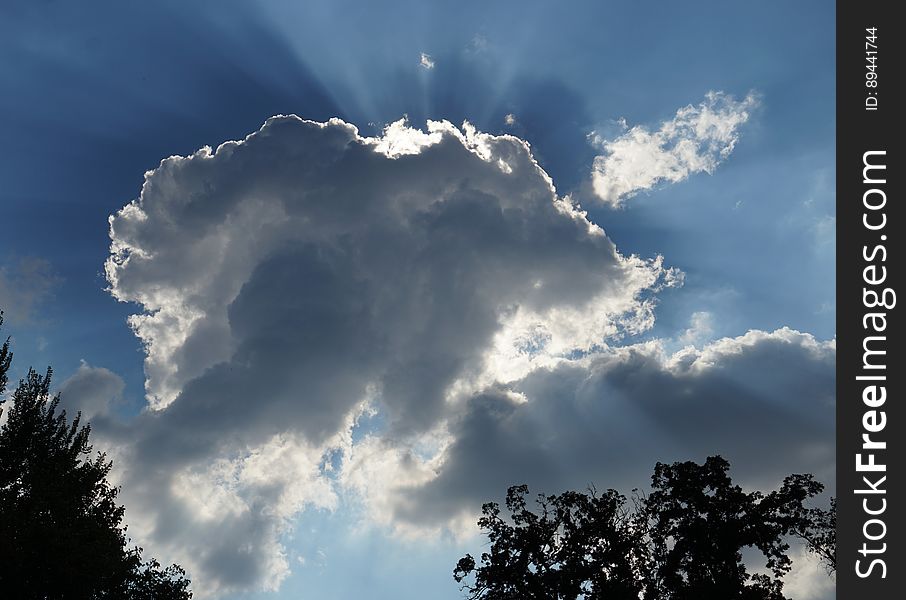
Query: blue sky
x: 97, y: 94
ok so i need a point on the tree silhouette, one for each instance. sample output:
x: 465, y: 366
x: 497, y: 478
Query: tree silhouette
x: 683, y: 541
x: 579, y: 545
x: 61, y: 531
x: 699, y: 522
x: 820, y: 534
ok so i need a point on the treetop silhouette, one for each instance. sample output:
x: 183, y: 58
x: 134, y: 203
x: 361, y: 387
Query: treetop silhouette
x: 60, y: 525
x: 682, y: 541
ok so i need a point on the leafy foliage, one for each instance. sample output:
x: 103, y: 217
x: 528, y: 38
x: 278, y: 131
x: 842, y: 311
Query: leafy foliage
x: 683, y: 541
x: 579, y: 545
x: 820, y: 534
x: 60, y: 525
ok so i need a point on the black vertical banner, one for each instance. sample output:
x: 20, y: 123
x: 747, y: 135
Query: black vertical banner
x: 871, y: 381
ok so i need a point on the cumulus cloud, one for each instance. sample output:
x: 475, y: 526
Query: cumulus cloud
x: 224, y: 516
x: 306, y: 276
x: 416, y: 320
x: 764, y: 400
x: 91, y: 391
x: 23, y: 286
x: 696, y: 140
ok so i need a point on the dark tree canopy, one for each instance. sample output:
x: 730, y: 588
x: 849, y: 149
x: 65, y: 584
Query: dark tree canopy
x: 698, y: 523
x: 683, y: 541
x: 61, y: 530
x: 577, y: 545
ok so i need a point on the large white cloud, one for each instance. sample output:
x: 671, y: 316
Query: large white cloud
x: 296, y: 279
x: 416, y: 320
x: 696, y: 140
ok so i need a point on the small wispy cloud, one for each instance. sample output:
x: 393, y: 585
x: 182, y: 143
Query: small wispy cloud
x: 426, y: 61
x: 696, y: 140
x: 701, y: 329
x: 510, y: 119
x: 477, y: 45
x: 824, y: 230
x: 24, y: 286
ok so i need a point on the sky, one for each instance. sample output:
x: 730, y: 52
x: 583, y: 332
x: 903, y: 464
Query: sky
x: 326, y: 276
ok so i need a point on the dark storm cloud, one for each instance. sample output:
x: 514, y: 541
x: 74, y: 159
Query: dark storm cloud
x: 764, y: 400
